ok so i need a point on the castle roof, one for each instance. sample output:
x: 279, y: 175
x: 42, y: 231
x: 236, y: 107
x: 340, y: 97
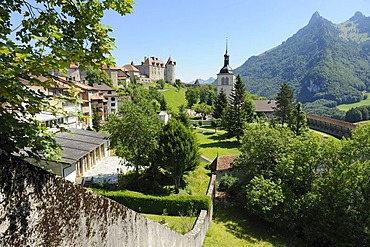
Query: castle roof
x: 153, y: 61
x: 170, y: 61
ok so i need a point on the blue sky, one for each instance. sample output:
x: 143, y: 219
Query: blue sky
x: 193, y: 32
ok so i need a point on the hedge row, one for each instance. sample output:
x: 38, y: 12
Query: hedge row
x: 173, y: 204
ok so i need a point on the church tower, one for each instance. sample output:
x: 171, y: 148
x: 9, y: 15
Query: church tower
x: 226, y: 77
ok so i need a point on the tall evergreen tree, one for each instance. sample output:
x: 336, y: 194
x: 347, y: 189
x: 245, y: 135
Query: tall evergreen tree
x: 178, y: 151
x: 298, y: 121
x: 220, y: 105
x: 284, y: 103
x: 239, y: 111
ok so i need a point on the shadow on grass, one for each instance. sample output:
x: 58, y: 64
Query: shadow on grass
x: 251, y: 228
x: 219, y: 137
x: 221, y: 144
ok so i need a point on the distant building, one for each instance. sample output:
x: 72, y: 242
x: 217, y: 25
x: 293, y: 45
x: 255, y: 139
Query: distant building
x: 155, y: 69
x: 226, y: 77
x: 265, y: 107
x: 223, y: 165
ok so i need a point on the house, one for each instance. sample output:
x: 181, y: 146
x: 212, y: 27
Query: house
x: 164, y: 116
x: 223, y: 165
x: 81, y: 150
x: 110, y: 95
x: 265, y: 107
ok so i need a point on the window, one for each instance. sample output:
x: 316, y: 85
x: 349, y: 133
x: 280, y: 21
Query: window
x: 113, y: 99
x: 113, y: 104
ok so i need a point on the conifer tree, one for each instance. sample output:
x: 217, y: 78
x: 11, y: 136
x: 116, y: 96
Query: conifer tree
x: 284, y: 103
x: 220, y: 105
x: 239, y: 111
x: 298, y: 121
x: 178, y: 151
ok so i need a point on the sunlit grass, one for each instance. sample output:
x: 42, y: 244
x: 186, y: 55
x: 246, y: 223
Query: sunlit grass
x: 174, y: 98
x: 346, y: 107
x: 235, y: 227
x: 181, y: 224
x: 197, y: 181
x: 213, y: 143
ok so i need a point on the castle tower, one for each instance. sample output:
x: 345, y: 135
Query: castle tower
x: 226, y: 77
x: 170, y: 71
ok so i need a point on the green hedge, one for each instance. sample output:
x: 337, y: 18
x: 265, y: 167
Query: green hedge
x: 174, y: 204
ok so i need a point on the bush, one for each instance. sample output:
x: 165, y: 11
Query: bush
x: 228, y: 184
x: 174, y: 204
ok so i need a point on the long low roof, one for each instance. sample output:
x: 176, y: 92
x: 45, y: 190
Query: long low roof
x: 77, y: 143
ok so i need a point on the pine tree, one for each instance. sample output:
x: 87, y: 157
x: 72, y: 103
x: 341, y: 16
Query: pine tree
x: 284, y: 103
x: 298, y: 121
x: 220, y: 105
x: 239, y: 111
x: 178, y: 151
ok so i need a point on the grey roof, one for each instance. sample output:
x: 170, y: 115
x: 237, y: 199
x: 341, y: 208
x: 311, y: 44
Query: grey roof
x: 103, y: 87
x: 77, y: 143
x: 265, y: 105
x: 226, y: 70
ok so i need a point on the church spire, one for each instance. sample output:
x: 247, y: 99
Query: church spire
x: 226, y: 46
x: 226, y: 56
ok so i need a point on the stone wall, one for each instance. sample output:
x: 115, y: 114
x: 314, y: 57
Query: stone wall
x: 40, y: 209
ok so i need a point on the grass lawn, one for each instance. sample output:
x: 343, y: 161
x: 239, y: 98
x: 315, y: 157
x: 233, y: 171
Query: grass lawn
x: 346, y: 107
x: 363, y: 122
x: 174, y: 98
x: 212, y: 144
x: 197, y: 181
x: 181, y: 224
x: 234, y: 227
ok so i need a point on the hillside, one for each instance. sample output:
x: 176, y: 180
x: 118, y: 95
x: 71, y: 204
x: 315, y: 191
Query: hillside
x: 321, y: 61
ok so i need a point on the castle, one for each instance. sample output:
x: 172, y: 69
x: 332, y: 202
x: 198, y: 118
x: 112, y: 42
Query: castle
x: 155, y: 69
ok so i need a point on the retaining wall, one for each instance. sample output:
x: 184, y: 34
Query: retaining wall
x: 41, y: 209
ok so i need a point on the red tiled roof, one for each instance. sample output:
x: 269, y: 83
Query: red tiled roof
x: 153, y: 61
x: 129, y: 67
x: 225, y: 162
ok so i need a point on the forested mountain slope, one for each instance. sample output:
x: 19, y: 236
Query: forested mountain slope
x: 321, y: 61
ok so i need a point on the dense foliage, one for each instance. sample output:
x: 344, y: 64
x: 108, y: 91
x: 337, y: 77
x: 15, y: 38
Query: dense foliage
x: 320, y: 61
x: 135, y: 130
x: 173, y: 205
x: 358, y: 114
x: 320, y: 189
x: 50, y: 35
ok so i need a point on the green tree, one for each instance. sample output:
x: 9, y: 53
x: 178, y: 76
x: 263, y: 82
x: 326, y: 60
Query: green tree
x: 96, y: 121
x: 178, y: 151
x: 208, y: 94
x: 192, y: 96
x: 182, y: 116
x: 298, y: 121
x: 135, y: 131
x: 240, y: 110
x: 220, y: 105
x: 94, y: 75
x: 203, y: 109
x: 161, y: 83
x: 284, y: 103
x: 50, y: 35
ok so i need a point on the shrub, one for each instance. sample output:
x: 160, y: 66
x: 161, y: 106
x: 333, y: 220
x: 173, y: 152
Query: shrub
x: 228, y: 184
x: 174, y: 204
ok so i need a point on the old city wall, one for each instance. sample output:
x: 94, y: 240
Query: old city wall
x: 41, y: 209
